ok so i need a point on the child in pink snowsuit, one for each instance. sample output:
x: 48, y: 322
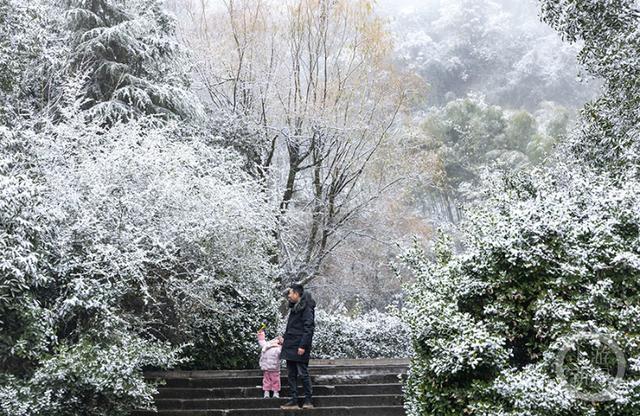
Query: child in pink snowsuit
x: 270, y: 364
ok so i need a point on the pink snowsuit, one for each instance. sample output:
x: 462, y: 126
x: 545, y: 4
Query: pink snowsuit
x: 270, y: 363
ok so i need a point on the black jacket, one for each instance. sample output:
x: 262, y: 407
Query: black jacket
x: 300, y: 327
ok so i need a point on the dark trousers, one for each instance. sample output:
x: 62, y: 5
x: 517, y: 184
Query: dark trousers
x: 295, y: 369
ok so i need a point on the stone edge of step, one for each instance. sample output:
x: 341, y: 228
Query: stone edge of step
x: 270, y: 410
x: 320, y: 377
x: 257, y: 386
x: 313, y: 365
x: 222, y: 399
x: 173, y: 374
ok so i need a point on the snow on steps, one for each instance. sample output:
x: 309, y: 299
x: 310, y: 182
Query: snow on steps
x: 340, y: 387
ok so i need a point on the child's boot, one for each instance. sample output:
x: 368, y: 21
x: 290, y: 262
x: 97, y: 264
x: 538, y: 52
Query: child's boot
x: 276, y: 394
x: 266, y: 394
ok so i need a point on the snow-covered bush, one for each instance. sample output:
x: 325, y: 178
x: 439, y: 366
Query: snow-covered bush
x: 124, y: 248
x: 129, y: 239
x: 371, y: 334
x: 173, y: 217
x: 548, y: 255
x: 55, y: 361
x: 89, y: 377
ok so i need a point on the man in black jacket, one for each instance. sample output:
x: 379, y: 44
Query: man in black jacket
x: 297, y: 343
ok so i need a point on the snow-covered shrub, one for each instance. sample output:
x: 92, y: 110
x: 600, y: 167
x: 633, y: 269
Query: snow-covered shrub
x: 548, y: 254
x: 372, y: 334
x: 133, y: 246
x: 176, y: 219
x: 123, y: 248
x: 55, y: 361
x: 95, y: 377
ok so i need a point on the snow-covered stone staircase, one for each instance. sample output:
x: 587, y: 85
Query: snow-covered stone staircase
x: 340, y: 387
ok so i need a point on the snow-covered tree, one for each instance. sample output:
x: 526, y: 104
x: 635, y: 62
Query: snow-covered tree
x: 124, y: 247
x: 609, y: 35
x: 547, y: 255
x: 32, y: 51
x: 49, y: 365
x: 134, y: 62
x: 125, y: 243
x: 467, y: 135
x: 496, y: 48
x: 314, y: 79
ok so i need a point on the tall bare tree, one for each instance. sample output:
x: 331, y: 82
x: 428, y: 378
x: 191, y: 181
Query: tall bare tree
x: 314, y: 79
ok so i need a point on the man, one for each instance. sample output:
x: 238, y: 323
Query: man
x: 297, y: 343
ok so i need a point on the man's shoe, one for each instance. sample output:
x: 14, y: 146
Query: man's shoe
x: 307, y: 404
x: 291, y: 404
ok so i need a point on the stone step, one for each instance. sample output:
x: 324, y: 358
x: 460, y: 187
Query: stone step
x: 359, y: 361
x: 328, y: 369
x: 318, y: 411
x: 256, y: 391
x: 316, y: 379
x: 262, y: 403
x: 340, y: 388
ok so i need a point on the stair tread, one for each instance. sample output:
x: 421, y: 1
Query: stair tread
x: 258, y: 373
x: 269, y: 408
x: 315, y: 396
x: 284, y: 374
x: 342, y: 388
x: 341, y: 363
x: 330, y: 409
x: 249, y: 387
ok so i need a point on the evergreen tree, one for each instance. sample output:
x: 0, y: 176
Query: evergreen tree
x: 131, y: 57
x: 608, y: 138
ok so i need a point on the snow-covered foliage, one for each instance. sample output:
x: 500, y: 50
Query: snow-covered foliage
x: 132, y: 56
x: 469, y: 133
x: 88, y: 377
x: 31, y: 51
x: 122, y: 248
x: 609, y: 35
x: 548, y: 254
x: 371, y: 334
x: 176, y: 217
x: 60, y: 354
x: 465, y: 137
x: 128, y: 239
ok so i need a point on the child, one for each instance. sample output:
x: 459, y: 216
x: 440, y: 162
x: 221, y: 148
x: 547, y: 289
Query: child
x: 270, y: 364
